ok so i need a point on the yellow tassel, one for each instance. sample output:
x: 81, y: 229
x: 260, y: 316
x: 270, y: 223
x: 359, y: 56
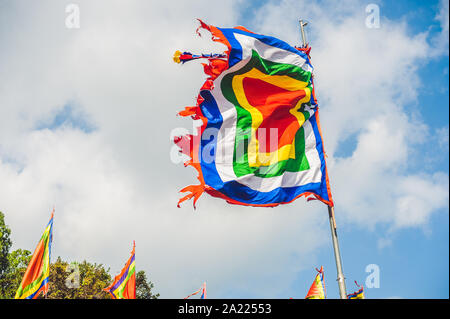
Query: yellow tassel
x: 176, y: 56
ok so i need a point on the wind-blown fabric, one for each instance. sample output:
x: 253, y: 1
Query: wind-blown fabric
x: 202, y: 290
x: 317, y: 290
x: 124, y: 285
x: 260, y: 141
x: 35, y: 279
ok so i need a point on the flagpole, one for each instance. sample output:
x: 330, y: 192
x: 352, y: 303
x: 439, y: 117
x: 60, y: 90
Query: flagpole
x: 337, y: 254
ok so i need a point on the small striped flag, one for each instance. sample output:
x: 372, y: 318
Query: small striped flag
x: 36, y: 276
x: 203, y: 295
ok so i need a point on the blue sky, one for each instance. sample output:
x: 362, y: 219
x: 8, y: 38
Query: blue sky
x: 87, y: 116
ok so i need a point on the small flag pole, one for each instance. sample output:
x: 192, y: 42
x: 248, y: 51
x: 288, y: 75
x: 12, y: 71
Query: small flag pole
x: 50, y: 255
x: 337, y: 254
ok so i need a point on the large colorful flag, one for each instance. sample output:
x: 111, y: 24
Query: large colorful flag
x: 124, y: 284
x: 260, y: 141
x: 317, y: 290
x: 202, y: 290
x: 36, y: 276
x: 357, y: 294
